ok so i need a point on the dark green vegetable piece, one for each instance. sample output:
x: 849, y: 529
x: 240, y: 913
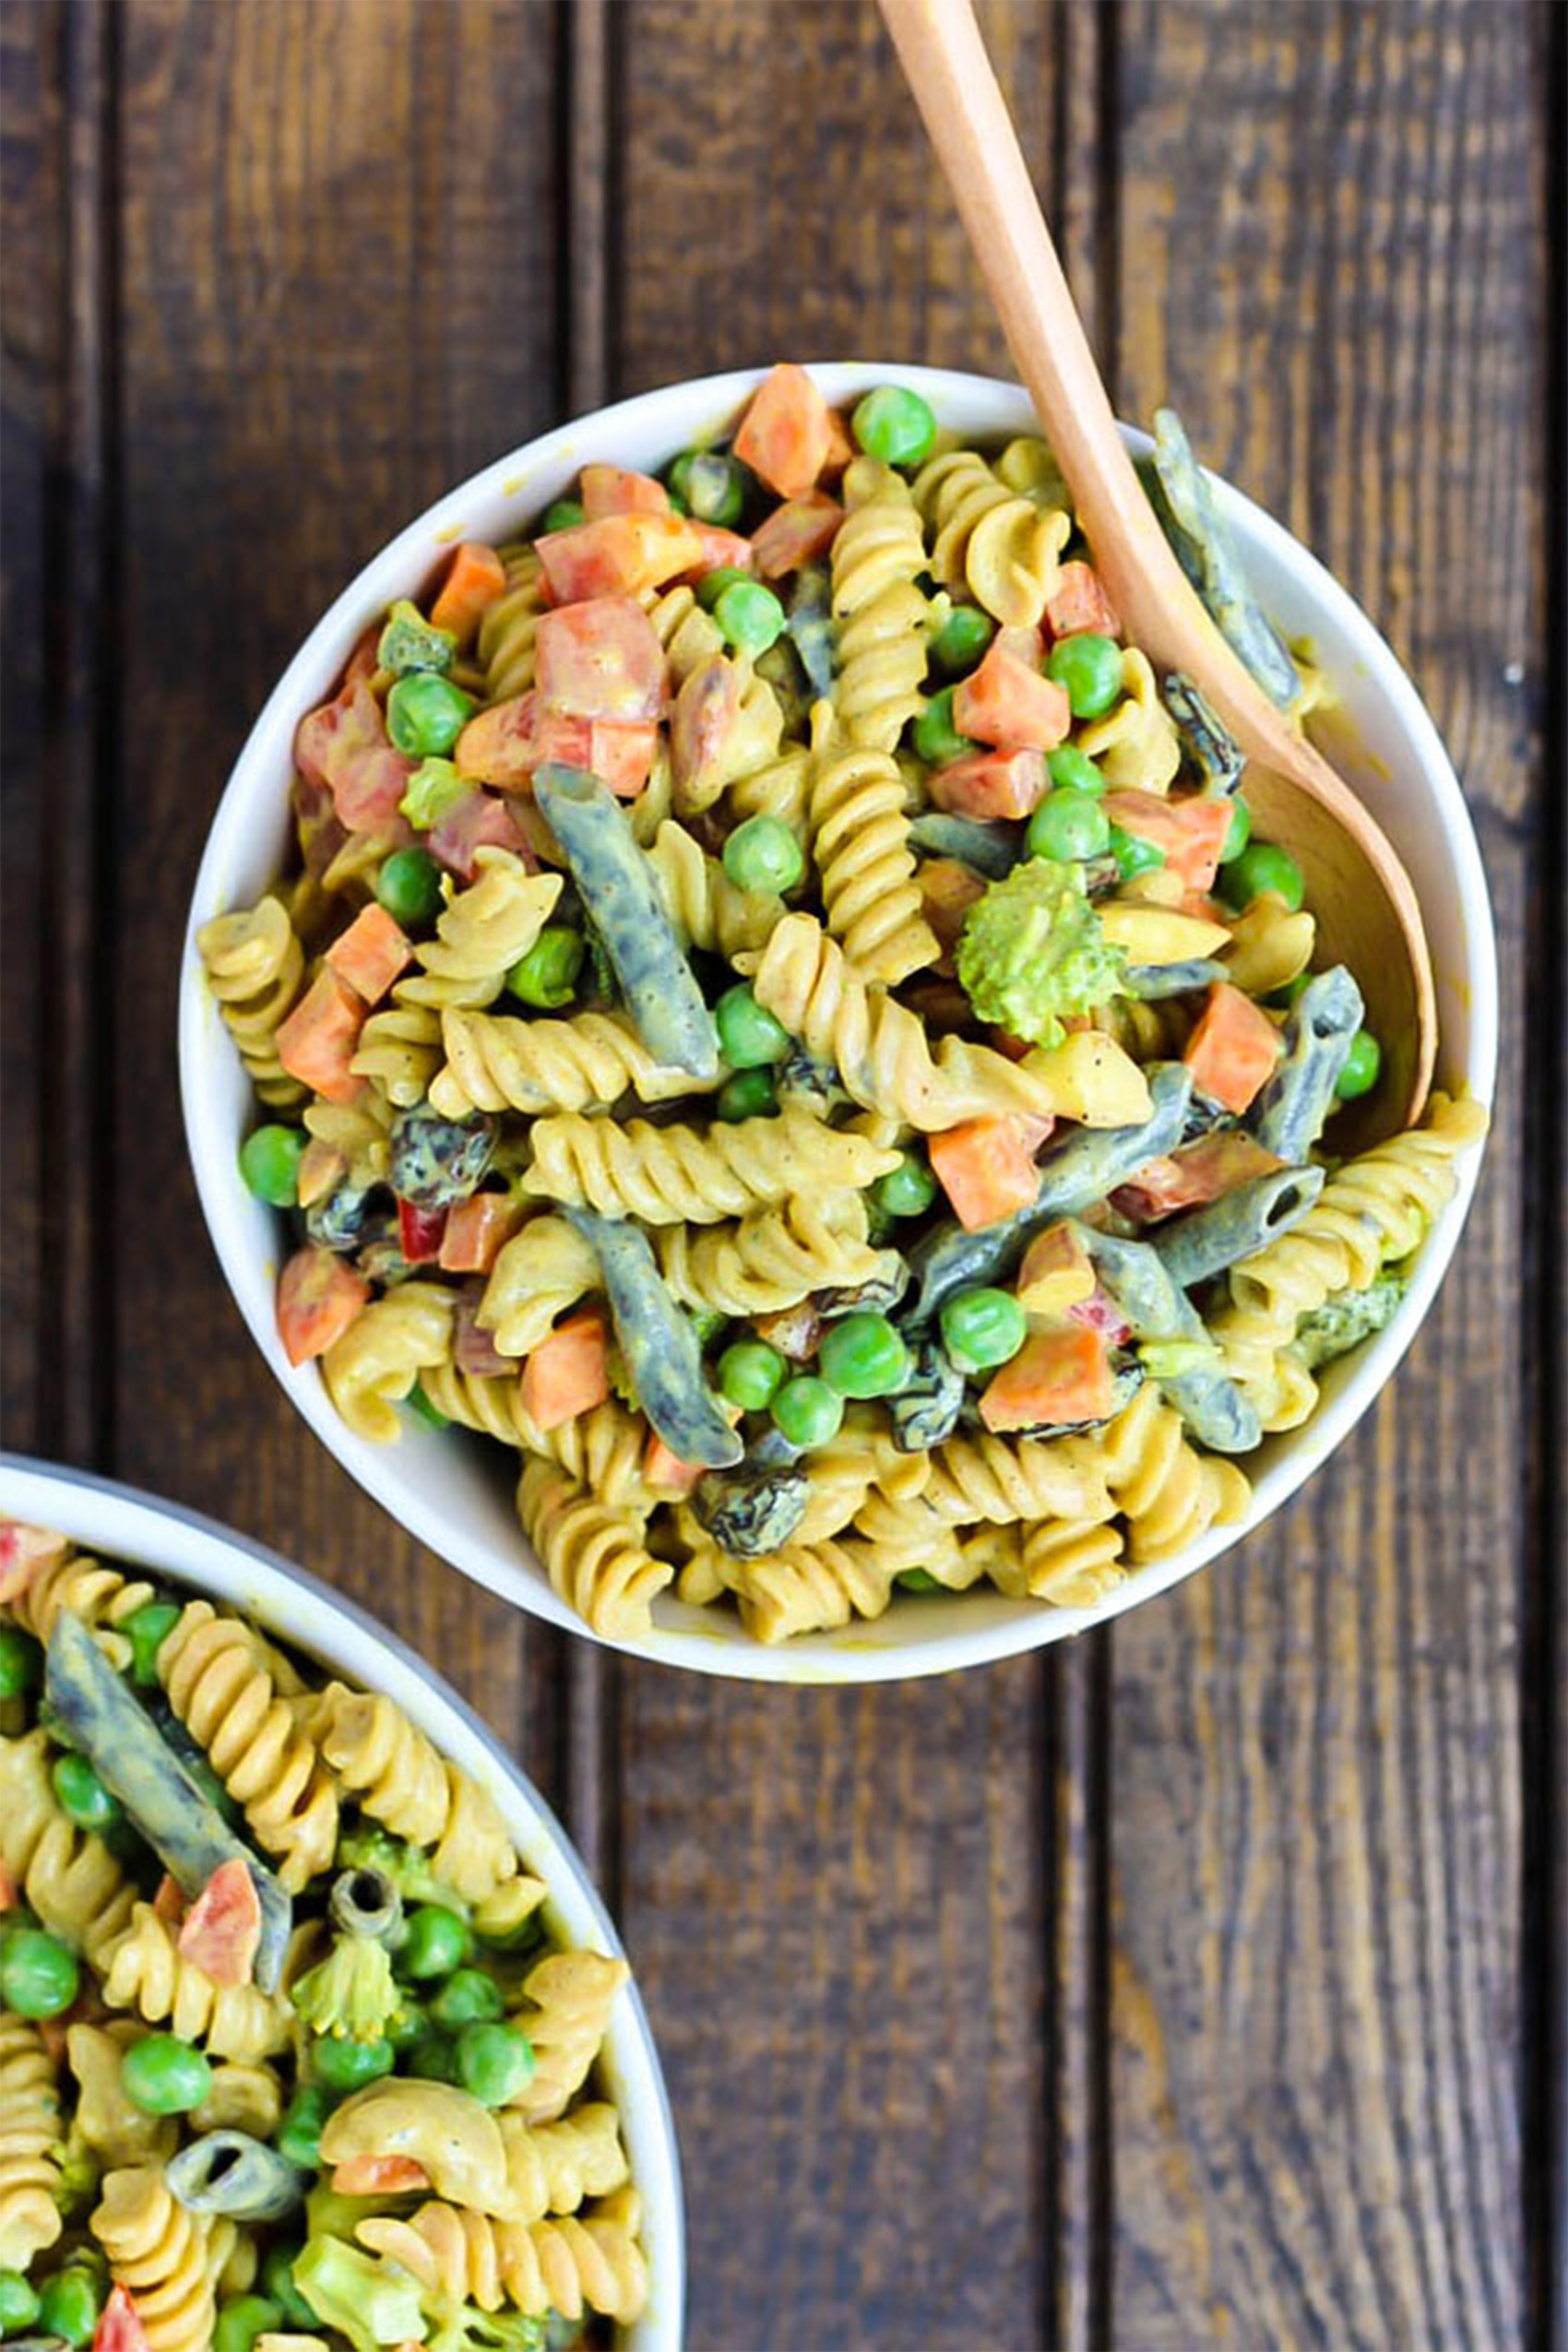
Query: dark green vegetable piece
x: 83, y: 1797
x: 270, y: 1165
x: 469, y: 1997
x: 751, y: 1512
x: 437, y: 1942
x: 1176, y: 1347
x: 437, y: 1161
x: 547, y: 975
x: 865, y: 1355
x: 894, y: 425
x: 1153, y: 982
x: 992, y: 847
x: 278, y: 2279
x: 1082, y: 1170
x: 147, y: 1629
x: 409, y: 642
x: 917, y: 1580
x: 71, y: 2303
x: 749, y: 1094
x: 114, y: 1730
x: 348, y: 2065
x: 18, y: 2304
x: 629, y: 913
x: 811, y: 626
x: 961, y: 640
x: 495, y: 2061
x: 21, y: 1662
x: 1262, y: 865
x: 936, y: 738
x: 1195, y: 1247
x: 298, y: 2136
x: 1205, y: 739
x: 243, y: 2321
x: 710, y: 485
x: 563, y: 515
x: 230, y: 2172
x: 925, y: 1412
x: 1200, y: 537
x: 1363, y: 1064
x: 806, y: 1412
x: 342, y: 1218
x: 658, y: 1343
x: 1289, y: 1114
x: 1344, y: 1321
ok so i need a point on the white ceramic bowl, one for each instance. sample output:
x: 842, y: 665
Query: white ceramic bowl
x: 454, y: 1493
x: 119, y: 1524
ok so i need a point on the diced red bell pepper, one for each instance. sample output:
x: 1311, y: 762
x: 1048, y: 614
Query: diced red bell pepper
x: 707, y: 713
x: 612, y: 489
x: 25, y: 1553
x: 318, y: 1295
x: 344, y: 745
x: 319, y: 1041
x: 993, y: 783
x: 475, y: 577
x: 371, y: 953
x: 601, y: 659
x: 497, y: 744
x: 222, y: 1927
x: 619, y: 555
x: 568, y: 1372
x: 1079, y: 602
x: 1101, y: 1314
x: 479, y: 821
x: 786, y: 435
x: 1191, y: 830
x: 1060, y: 1376
x: 986, y: 1170
x: 1005, y: 701
x: 10, y: 1893
x: 794, y: 532
x: 119, y: 2325
x: 420, y: 1233
x: 1232, y: 1051
x: 1193, y: 1175
x: 723, y: 548
x: 477, y: 1231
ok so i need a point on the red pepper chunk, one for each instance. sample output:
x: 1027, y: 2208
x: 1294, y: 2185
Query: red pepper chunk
x: 119, y: 2325
x: 222, y: 1930
x: 1079, y: 602
x: 994, y: 783
x: 420, y: 1233
x: 601, y: 659
x: 794, y: 532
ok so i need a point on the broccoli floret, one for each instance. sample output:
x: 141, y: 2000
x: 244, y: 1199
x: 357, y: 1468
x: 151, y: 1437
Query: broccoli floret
x: 351, y: 1993
x: 368, y: 2301
x: 409, y: 642
x: 76, y: 2185
x: 1032, y: 950
x: 433, y: 788
x: 408, y: 1869
x: 1343, y: 1323
x: 468, y: 2330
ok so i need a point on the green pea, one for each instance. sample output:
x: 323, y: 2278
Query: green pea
x: 436, y: 1942
x: 749, y: 1034
x: 918, y: 1580
x: 430, y: 1414
x: 1363, y: 1065
x: 1066, y: 826
x: 714, y: 584
x: 807, y: 1412
x: 37, y: 1973
x: 1071, y: 770
x: 1133, y: 854
x: 298, y: 2136
x: 709, y: 485
x: 147, y: 1628
x: 1240, y: 831
x: 409, y: 886
x: 936, y: 739
x: 83, y: 1797
x: 962, y: 639
x: 547, y: 975
x: 749, y: 1094
x: 865, y: 1355
x: 240, y: 2321
x: 406, y: 2024
x: 983, y: 1328
x: 751, y: 1375
x: 19, y: 2303
x: 469, y: 1997
x: 71, y: 2304
x: 908, y: 1190
x: 750, y: 616
x: 564, y: 515
x: 345, y: 2065
x: 21, y: 1662
x: 1089, y: 668
x: 278, y: 2279
x: 162, y: 2074
x: 1263, y: 865
x: 494, y: 2062
x: 270, y: 1163
x: 432, y: 2058
x: 894, y: 425
x: 426, y: 713
x: 764, y: 854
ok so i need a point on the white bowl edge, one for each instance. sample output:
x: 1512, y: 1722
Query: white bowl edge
x: 119, y: 1522
x: 245, y: 851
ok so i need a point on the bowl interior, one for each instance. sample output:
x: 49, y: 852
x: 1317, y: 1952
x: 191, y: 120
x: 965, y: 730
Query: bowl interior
x: 454, y: 1493
x: 118, y: 1523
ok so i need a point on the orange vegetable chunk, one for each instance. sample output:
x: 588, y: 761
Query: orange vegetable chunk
x: 985, y: 1168
x: 794, y: 532
x: 601, y: 659
x: 1079, y: 602
x: 666, y: 1470
x: 568, y: 1374
x: 371, y: 953
x: 317, y: 1041
x: 1059, y: 1375
x: 722, y: 547
x: 948, y: 889
x: 1233, y: 1049
x: 25, y: 1553
x: 787, y: 435
x: 119, y: 2325
x: 1056, y: 1272
x: 475, y: 579
x: 1191, y: 831
x: 222, y: 1927
x: 992, y: 783
x: 1005, y: 701
x: 477, y: 1230
x: 619, y: 555
x: 1198, y: 1173
x: 612, y: 489
x: 378, y: 2176
x: 318, y: 1295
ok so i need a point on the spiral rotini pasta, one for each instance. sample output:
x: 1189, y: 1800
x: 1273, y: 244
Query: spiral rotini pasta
x: 1135, y: 745
x: 772, y: 1258
x: 883, y: 618
x: 400, y: 1778
x: 570, y: 2265
x: 30, y: 2134
x: 1002, y: 1479
x: 358, y: 1132
x: 593, y: 1551
x: 256, y: 966
x: 1269, y: 945
x: 399, y: 1049
x: 705, y: 909
x: 103, y: 1597
x: 494, y: 1062
x: 382, y: 1352
x: 1168, y: 1492
x: 67, y: 1875
x: 1006, y: 547
x: 568, y: 2001
x: 482, y: 933
x: 540, y: 1273
x: 670, y: 1175
x: 860, y: 841
x: 509, y: 627
x: 144, y: 1972
x: 165, y: 2256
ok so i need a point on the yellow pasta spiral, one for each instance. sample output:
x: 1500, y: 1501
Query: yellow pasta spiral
x: 29, y: 2133
x: 372, y: 1367
x: 102, y: 1596
x: 772, y: 1259
x: 1168, y: 1492
x: 550, y: 2168
x: 667, y: 1174
x: 567, y: 2265
x: 860, y: 842
x: 781, y: 789
x: 400, y: 1778
x: 593, y: 1551
x: 540, y: 1273
x: 242, y: 2099
x: 496, y: 1062
x: 67, y: 1875
x: 690, y: 637
x: 810, y: 1588
x: 1006, y: 547
x: 144, y: 1971
x: 882, y: 619
x: 256, y: 967
x: 1001, y: 1478
x: 1269, y: 945
x: 106, y: 2126
x: 568, y: 2001
x: 1135, y: 744
x: 705, y: 909
x: 1073, y: 1564
x: 482, y: 933
x: 359, y: 1131
x: 167, y: 2258
x: 504, y: 648
x: 399, y: 1049
x: 217, y: 1684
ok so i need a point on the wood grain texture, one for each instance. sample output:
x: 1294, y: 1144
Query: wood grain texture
x: 1315, y: 1785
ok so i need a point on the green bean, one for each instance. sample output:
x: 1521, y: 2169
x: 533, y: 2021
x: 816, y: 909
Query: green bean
x: 657, y: 1342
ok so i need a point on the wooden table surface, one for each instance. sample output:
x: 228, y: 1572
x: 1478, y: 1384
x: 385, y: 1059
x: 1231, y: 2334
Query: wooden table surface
x: 1196, y: 1984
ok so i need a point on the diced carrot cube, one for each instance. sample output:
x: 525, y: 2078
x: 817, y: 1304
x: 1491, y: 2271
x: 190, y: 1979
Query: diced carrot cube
x: 666, y: 1471
x: 477, y: 1230
x: 601, y: 659
x: 378, y: 2176
x: 840, y: 446
x: 1191, y: 830
x: 10, y: 1893
x: 318, y: 1295
x: 1005, y: 701
x: 724, y: 548
x: 1232, y: 1051
x: 568, y: 1372
x: 475, y: 579
x: 993, y: 783
x: 497, y: 746
x: 119, y: 2325
x: 794, y: 532
x: 1056, y: 1272
x: 1059, y: 1377
x: 169, y: 1902
x: 786, y: 435
x: 319, y: 1041
x: 371, y: 953
x: 619, y: 555
x: 612, y: 489
x: 985, y: 1168
x: 1079, y: 602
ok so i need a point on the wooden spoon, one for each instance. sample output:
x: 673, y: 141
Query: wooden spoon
x: 1360, y: 892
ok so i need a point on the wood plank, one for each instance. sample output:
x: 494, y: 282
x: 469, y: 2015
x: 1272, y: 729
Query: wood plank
x: 339, y: 296
x: 1331, y: 237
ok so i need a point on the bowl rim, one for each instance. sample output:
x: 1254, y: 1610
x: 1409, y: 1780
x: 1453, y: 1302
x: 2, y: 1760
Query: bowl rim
x: 855, y: 1654
x: 124, y: 1522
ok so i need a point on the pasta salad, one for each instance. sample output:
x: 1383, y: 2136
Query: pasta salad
x: 779, y: 1018
x: 289, y: 2058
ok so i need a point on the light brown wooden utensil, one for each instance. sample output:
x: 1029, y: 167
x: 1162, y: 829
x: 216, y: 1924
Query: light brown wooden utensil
x: 1360, y: 892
